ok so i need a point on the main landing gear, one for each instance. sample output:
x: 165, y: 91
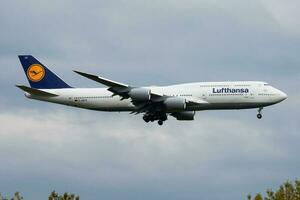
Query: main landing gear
x: 259, y: 115
x: 160, y: 122
x: 149, y: 117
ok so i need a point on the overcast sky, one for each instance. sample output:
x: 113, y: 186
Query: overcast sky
x: 221, y: 155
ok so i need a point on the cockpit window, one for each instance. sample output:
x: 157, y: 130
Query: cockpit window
x: 266, y: 84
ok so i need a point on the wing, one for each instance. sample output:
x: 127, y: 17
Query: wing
x: 113, y: 86
x: 101, y: 80
x: 123, y: 90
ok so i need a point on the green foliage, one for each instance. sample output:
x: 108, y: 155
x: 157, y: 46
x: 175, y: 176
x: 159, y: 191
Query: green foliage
x: 287, y: 191
x: 65, y: 196
x: 53, y: 196
x: 17, y: 196
x: 258, y: 197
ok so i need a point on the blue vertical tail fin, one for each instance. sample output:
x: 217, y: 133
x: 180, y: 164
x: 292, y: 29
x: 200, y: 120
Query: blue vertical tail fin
x: 39, y: 76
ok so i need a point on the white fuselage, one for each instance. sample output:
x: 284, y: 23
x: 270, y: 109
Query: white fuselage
x: 218, y: 95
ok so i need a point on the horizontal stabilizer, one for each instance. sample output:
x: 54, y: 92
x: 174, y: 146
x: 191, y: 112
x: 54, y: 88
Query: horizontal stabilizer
x: 36, y: 92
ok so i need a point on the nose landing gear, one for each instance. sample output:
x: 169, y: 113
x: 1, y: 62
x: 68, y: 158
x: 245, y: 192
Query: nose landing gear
x: 259, y: 115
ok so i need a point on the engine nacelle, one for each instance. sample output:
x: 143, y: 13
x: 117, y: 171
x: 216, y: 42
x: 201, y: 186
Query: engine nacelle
x: 186, y: 115
x: 175, y: 104
x: 140, y: 94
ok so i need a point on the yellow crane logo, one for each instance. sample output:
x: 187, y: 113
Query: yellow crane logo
x: 35, y: 72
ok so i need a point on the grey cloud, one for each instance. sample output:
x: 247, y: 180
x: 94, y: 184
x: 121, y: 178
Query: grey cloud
x: 156, y: 35
x: 78, y: 149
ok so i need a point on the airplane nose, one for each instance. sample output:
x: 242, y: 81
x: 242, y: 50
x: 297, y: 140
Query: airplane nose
x: 283, y: 95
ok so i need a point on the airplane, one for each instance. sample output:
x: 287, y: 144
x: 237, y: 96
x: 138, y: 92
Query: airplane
x: 156, y: 103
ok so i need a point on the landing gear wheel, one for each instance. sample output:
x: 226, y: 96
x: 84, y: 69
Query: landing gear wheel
x: 160, y: 122
x: 259, y: 116
x: 146, y: 119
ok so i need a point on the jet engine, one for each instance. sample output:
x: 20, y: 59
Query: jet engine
x: 186, y: 115
x: 175, y: 104
x: 140, y: 94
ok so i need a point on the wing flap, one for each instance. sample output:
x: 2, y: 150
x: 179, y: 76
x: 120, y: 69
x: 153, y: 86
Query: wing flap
x: 192, y: 100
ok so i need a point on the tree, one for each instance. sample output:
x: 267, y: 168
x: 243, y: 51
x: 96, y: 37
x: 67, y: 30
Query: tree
x: 17, y: 196
x: 258, y: 197
x: 287, y: 191
x: 1, y: 197
x: 66, y: 196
